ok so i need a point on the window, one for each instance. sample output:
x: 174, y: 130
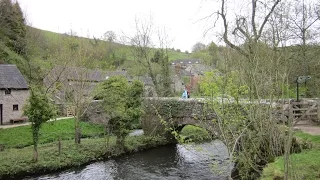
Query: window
x: 15, y: 107
x: 7, y: 91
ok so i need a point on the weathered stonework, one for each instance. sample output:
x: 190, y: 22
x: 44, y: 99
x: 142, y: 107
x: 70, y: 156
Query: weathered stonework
x: 161, y: 114
x: 17, y: 97
x: 95, y: 113
x: 164, y: 114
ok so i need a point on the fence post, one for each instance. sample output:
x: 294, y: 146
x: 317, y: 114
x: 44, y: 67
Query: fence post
x: 318, y: 111
x: 59, y: 145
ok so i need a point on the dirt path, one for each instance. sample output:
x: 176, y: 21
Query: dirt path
x: 28, y: 123
x: 308, y: 127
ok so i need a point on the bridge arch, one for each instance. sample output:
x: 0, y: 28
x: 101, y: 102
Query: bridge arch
x: 162, y: 115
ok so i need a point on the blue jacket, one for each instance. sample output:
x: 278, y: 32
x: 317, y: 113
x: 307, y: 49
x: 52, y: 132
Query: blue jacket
x: 185, y: 94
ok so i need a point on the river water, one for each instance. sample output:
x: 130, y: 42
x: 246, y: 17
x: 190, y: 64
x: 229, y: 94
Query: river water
x: 172, y: 162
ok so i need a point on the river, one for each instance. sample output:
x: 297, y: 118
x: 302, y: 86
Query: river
x: 172, y: 162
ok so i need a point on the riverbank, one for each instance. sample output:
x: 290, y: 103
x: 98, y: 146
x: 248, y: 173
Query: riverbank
x: 305, y: 165
x: 16, y: 150
x: 17, y: 163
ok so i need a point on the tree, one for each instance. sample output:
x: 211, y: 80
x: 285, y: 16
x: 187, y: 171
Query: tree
x: 19, y: 29
x: 260, y: 66
x: 39, y: 110
x: 122, y: 104
x: 304, y: 24
x: 12, y: 26
x: 165, y: 76
x: 74, y: 73
x: 154, y: 62
x: 249, y: 29
x: 209, y: 55
x: 198, y: 47
x: 110, y: 36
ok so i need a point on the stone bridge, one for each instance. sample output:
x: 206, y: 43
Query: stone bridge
x: 162, y: 115
x: 166, y: 114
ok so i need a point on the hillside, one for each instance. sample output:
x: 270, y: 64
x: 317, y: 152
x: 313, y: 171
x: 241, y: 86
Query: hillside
x: 46, y: 49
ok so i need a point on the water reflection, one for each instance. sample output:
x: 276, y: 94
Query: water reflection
x: 174, y: 162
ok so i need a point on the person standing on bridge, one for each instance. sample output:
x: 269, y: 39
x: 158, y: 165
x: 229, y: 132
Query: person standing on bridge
x: 185, y: 94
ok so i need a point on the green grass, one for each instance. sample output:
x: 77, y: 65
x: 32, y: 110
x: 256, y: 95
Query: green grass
x: 174, y: 55
x: 21, y: 136
x: 16, y: 159
x: 19, y: 161
x: 306, y: 165
x: 307, y: 137
x: 191, y: 133
x: 53, y: 38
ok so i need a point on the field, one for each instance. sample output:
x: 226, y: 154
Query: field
x: 50, y: 132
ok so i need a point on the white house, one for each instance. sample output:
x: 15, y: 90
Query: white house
x: 14, y: 92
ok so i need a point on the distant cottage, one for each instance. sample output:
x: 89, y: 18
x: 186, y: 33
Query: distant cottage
x: 184, y: 62
x: 71, y: 82
x: 14, y: 92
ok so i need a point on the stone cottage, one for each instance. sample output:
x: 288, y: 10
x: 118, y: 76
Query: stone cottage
x: 14, y: 92
x: 68, y: 83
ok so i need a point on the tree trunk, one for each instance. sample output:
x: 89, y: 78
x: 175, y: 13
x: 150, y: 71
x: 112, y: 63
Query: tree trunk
x: 120, y: 142
x: 77, y: 136
x: 35, y: 153
x: 59, y: 145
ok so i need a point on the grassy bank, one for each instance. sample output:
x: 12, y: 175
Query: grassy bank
x: 18, y: 162
x: 305, y: 165
x: 21, y: 136
x: 191, y: 133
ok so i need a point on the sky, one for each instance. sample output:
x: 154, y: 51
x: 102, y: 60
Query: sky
x: 95, y: 17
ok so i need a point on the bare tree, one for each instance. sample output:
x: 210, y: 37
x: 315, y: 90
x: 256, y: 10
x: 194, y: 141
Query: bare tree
x: 198, y: 47
x: 72, y: 82
x: 249, y: 29
x: 144, y: 51
x: 304, y: 26
x: 262, y: 66
x: 110, y: 36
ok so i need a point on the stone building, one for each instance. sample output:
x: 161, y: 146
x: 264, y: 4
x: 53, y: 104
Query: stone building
x: 69, y: 85
x: 14, y: 92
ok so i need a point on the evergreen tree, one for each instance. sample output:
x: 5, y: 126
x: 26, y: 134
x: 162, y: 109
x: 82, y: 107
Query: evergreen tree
x: 12, y: 26
x: 19, y: 30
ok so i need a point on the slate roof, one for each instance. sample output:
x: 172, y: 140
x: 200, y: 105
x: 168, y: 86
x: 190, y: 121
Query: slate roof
x: 89, y: 75
x: 83, y: 74
x: 186, y: 61
x: 11, y: 77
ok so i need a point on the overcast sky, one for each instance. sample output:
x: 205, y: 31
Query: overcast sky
x: 94, y: 17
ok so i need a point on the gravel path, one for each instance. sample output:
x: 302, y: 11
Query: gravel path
x: 308, y: 127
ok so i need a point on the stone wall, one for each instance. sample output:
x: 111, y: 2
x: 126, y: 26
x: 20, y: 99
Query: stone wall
x: 17, y: 97
x: 95, y: 113
x: 161, y: 114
